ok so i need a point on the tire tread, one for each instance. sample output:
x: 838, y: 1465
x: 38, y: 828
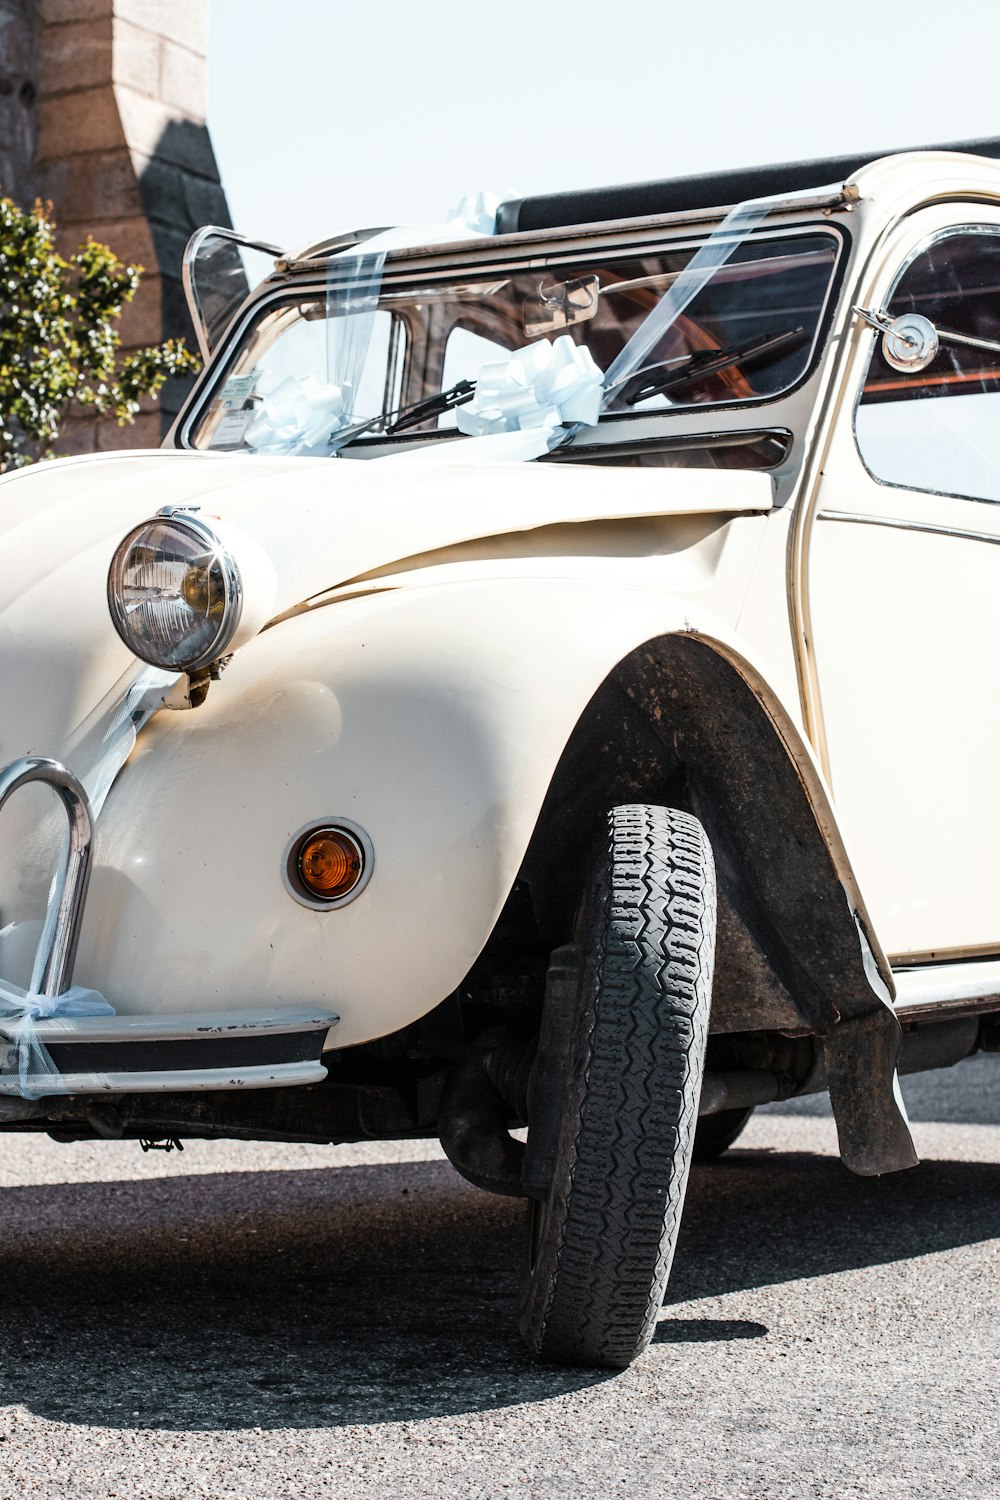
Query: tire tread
x: 626, y: 1142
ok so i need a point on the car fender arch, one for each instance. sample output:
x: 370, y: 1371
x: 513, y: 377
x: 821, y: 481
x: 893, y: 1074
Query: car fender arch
x: 687, y: 719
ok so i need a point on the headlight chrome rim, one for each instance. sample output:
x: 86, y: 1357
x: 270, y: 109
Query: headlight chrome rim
x: 203, y: 533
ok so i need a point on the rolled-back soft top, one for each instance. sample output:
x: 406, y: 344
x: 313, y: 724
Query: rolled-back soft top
x: 703, y: 190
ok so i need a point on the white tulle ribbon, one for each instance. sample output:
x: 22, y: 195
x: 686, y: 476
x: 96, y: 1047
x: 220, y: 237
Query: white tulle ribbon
x: 539, y: 386
x: 298, y: 413
x: 477, y: 212
x: 27, y: 1061
x: 143, y: 697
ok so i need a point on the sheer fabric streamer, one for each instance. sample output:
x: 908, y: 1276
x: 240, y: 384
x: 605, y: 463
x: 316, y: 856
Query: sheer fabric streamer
x: 28, y: 1069
x: 696, y: 275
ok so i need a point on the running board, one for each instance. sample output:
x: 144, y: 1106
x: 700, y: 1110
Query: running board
x: 940, y: 991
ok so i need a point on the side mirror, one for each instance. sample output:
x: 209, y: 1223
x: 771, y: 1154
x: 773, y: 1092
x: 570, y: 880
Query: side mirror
x: 910, y: 342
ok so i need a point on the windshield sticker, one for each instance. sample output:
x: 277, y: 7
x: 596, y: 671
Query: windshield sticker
x: 232, y: 428
x: 237, y: 388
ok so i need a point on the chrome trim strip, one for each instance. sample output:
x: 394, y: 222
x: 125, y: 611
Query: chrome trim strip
x: 491, y: 247
x: 962, y: 953
x: 942, y: 990
x: 185, y: 1080
x: 900, y: 525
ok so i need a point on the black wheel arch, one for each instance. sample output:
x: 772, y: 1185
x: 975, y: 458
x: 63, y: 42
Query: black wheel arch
x: 677, y: 723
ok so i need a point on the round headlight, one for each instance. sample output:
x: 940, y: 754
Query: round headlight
x: 175, y: 593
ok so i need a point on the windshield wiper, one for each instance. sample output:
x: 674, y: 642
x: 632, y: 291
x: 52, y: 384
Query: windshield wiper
x: 411, y: 416
x: 656, y: 380
x: 651, y: 381
x: 421, y: 411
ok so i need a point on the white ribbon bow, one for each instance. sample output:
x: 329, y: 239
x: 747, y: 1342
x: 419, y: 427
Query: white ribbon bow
x: 298, y: 413
x: 540, y: 385
x: 26, y: 1054
x: 477, y: 212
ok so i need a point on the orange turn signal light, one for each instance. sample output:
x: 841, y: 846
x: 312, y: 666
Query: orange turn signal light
x: 330, y: 863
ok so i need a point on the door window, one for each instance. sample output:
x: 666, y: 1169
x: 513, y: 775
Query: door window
x: 937, y: 428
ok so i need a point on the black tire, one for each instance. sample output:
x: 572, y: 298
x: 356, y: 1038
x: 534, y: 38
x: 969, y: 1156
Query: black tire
x: 601, y: 1245
x: 716, y: 1133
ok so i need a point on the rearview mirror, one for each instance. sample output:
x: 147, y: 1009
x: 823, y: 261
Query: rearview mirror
x: 561, y: 303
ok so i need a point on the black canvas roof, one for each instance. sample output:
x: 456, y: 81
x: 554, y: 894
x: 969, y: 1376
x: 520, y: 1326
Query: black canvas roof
x: 712, y: 190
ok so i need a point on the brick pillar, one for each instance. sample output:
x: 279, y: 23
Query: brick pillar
x: 124, y: 153
x: 18, y: 91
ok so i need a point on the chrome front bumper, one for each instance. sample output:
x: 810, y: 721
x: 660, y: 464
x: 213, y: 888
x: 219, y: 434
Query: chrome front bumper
x: 258, y: 1049
x: 152, y: 1054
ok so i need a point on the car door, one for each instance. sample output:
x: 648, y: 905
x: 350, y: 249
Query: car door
x: 903, y: 595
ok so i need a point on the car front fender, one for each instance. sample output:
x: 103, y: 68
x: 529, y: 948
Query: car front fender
x: 434, y: 717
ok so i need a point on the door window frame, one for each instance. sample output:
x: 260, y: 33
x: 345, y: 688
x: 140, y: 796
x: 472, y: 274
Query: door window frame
x: 932, y: 238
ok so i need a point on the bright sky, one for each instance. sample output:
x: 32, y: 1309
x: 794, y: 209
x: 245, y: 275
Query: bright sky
x: 329, y: 114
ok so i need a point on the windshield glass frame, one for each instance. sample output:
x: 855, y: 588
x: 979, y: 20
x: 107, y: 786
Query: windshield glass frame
x: 546, y: 255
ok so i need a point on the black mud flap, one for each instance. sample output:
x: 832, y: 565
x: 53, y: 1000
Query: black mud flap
x: 872, y: 1128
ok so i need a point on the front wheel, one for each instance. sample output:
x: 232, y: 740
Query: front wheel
x: 602, y: 1241
x: 716, y: 1133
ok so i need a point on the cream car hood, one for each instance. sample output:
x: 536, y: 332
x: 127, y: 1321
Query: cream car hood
x: 323, y: 523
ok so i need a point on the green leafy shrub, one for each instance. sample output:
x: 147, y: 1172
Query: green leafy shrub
x: 59, y: 339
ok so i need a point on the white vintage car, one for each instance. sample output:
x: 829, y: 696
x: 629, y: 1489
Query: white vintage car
x: 541, y: 666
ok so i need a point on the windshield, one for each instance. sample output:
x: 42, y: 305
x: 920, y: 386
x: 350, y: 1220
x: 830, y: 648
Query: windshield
x: 416, y: 351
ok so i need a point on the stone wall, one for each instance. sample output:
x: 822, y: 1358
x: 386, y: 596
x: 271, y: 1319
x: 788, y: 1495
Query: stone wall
x: 121, y: 148
x: 18, y: 90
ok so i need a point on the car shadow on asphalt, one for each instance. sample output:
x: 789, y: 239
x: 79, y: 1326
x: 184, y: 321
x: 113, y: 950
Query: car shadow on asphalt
x: 758, y: 1219
x: 353, y: 1295
x: 282, y: 1299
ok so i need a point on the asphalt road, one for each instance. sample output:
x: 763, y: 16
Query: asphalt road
x: 258, y: 1321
